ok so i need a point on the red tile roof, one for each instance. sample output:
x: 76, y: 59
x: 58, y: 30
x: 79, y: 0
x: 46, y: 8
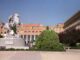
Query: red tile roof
x: 31, y: 25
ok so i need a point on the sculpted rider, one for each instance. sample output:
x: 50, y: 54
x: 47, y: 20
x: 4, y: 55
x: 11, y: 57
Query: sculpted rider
x: 11, y: 27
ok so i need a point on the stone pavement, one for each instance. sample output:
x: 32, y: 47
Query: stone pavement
x: 39, y: 55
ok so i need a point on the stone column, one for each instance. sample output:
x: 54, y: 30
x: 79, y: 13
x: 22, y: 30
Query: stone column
x: 30, y: 43
x: 26, y: 38
x: 34, y: 37
x: 34, y: 40
x: 30, y: 38
x: 23, y: 36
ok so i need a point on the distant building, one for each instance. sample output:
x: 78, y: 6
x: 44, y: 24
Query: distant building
x: 57, y: 28
x: 29, y: 32
x: 1, y: 28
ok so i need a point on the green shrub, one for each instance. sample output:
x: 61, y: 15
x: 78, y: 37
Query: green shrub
x: 78, y: 45
x: 49, y: 41
x: 12, y: 49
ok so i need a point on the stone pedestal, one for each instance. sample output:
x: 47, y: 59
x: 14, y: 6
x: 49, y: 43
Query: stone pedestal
x: 12, y: 42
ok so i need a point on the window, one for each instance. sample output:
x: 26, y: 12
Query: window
x: 33, y: 31
x: 36, y: 31
x: 40, y: 31
x: 25, y: 31
x: 29, y: 31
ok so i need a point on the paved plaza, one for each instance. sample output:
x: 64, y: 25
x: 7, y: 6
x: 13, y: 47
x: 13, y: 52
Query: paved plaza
x: 39, y: 55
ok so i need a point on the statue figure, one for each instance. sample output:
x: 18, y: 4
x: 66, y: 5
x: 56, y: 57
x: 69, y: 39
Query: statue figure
x: 10, y: 37
x: 11, y: 27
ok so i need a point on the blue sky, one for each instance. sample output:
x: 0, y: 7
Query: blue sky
x: 46, y: 12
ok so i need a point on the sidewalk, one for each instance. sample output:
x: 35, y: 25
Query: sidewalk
x: 39, y: 55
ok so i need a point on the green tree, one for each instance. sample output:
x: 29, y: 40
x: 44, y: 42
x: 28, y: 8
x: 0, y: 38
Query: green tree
x: 48, y: 40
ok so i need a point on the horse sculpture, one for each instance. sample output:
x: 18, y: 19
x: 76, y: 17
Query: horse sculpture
x: 11, y: 27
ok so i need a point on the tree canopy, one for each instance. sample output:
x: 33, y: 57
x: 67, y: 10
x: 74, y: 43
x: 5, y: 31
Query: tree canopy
x: 48, y: 40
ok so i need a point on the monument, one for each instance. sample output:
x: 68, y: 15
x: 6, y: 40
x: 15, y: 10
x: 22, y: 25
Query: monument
x: 11, y: 38
x: 11, y: 26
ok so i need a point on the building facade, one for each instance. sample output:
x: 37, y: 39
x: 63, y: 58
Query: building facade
x: 73, y: 22
x: 72, y: 30
x: 58, y: 28
x: 29, y: 32
x: 1, y: 28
